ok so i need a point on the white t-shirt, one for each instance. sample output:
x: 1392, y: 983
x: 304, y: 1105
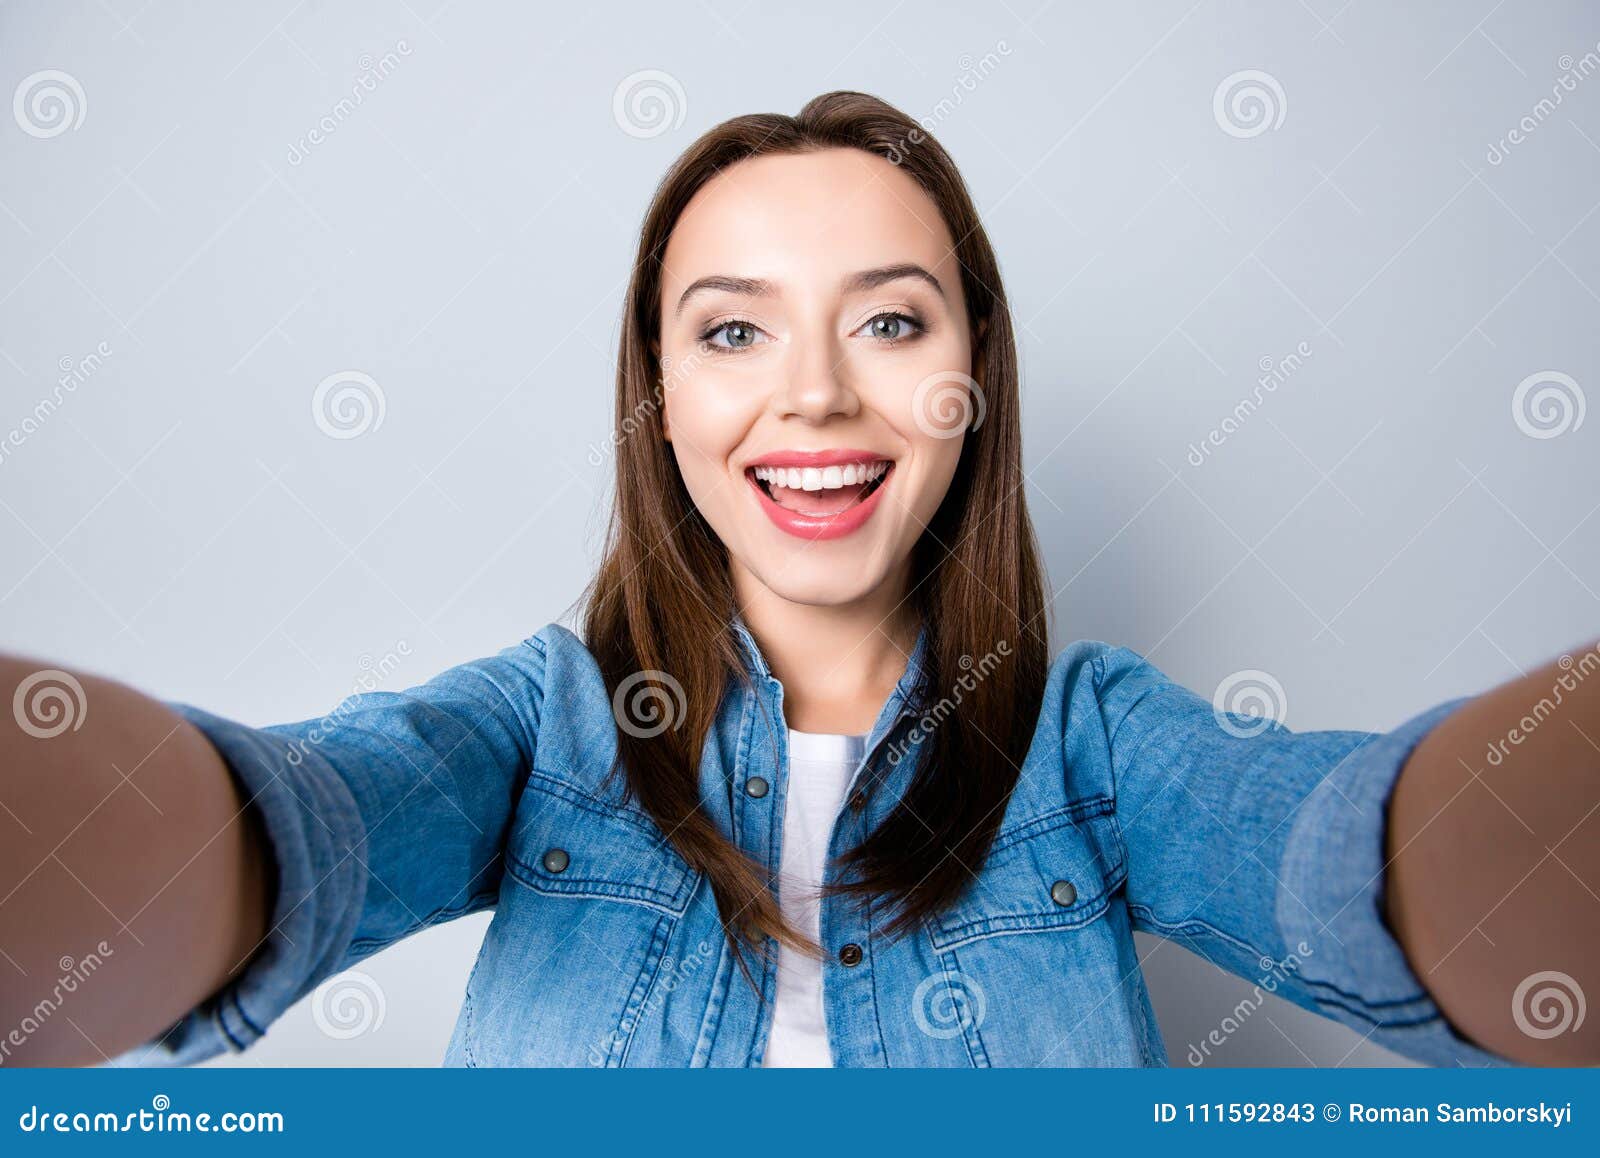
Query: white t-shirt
x: 820, y: 768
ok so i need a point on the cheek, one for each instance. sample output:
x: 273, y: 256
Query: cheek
x: 929, y: 402
x: 707, y: 421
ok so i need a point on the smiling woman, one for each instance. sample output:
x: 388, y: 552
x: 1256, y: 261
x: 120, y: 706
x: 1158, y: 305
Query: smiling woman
x: 809, y: 789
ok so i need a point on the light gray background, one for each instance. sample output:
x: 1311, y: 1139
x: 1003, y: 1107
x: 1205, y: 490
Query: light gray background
x: 1380, y: 535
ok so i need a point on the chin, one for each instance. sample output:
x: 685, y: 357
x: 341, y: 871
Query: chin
x: 819, y: 581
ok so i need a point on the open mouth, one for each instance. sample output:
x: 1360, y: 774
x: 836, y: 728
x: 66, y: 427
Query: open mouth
x: 820, y: 492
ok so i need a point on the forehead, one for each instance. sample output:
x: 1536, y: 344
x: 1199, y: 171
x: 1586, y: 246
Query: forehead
x: 806, y: 220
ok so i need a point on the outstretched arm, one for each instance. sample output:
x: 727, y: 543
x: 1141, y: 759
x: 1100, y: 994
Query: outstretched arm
x: 1493, y: 846
x: 161, y: 829
x: 129, y: 817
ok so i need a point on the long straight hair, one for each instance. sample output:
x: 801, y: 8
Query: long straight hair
x: 658, y: 613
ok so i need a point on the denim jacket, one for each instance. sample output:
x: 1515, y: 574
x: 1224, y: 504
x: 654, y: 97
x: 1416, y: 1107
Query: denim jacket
x: 1139, y: 807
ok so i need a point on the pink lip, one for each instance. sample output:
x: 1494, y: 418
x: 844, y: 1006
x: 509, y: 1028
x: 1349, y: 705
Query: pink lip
x: 810, y: 526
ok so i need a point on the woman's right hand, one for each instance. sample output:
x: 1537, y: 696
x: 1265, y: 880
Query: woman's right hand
x: 134, y: 881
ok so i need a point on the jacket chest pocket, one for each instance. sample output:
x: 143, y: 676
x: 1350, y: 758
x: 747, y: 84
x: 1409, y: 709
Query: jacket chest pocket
x: 584, y: 963
x: 567, y: 844
x: 1036, y: 965
x: 1055, y: 873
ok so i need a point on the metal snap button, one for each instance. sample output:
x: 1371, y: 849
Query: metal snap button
x: 556, y: 860
x: 850, y: 955
x: 756, y: 787
x: 1063, y: 893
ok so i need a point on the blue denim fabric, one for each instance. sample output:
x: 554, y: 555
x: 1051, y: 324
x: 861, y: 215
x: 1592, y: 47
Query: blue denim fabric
x: 1137, y: 809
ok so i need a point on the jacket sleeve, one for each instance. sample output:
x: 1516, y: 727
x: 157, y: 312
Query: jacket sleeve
x: 1259, y: 848
x: 383, y: 817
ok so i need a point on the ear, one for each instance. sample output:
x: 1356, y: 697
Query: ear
x: 983, y: 330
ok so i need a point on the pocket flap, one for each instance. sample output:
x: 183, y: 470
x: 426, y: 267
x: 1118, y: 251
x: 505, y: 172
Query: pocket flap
x: 1058, y: 878
x: 566, y: 844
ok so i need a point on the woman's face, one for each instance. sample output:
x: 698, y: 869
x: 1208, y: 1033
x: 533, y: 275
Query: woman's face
x: 815, y: 353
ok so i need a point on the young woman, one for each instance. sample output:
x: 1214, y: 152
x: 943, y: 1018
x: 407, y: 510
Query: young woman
x: 810, y: 789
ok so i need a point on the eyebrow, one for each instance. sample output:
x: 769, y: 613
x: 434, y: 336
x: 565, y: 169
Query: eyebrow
x: 755, y: 287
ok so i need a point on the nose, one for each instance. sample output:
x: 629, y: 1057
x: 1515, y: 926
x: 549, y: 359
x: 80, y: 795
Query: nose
x: 814, y: 387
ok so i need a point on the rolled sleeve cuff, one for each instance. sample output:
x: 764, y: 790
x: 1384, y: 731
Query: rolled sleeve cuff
x: 316, y: 837
x: 1330, y: 906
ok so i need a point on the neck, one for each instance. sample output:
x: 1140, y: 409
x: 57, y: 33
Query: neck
x: 838, y: 663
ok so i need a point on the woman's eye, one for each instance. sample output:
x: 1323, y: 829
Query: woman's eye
x: 891, y: 327
x: 732, y: 336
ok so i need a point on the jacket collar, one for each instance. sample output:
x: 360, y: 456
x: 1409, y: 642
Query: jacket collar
x: 910, y: 687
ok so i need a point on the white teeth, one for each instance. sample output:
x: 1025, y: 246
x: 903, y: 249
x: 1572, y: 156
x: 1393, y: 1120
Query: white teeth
x: 825, y: 478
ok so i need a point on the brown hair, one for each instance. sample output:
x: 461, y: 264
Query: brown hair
x: 663, y: 600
